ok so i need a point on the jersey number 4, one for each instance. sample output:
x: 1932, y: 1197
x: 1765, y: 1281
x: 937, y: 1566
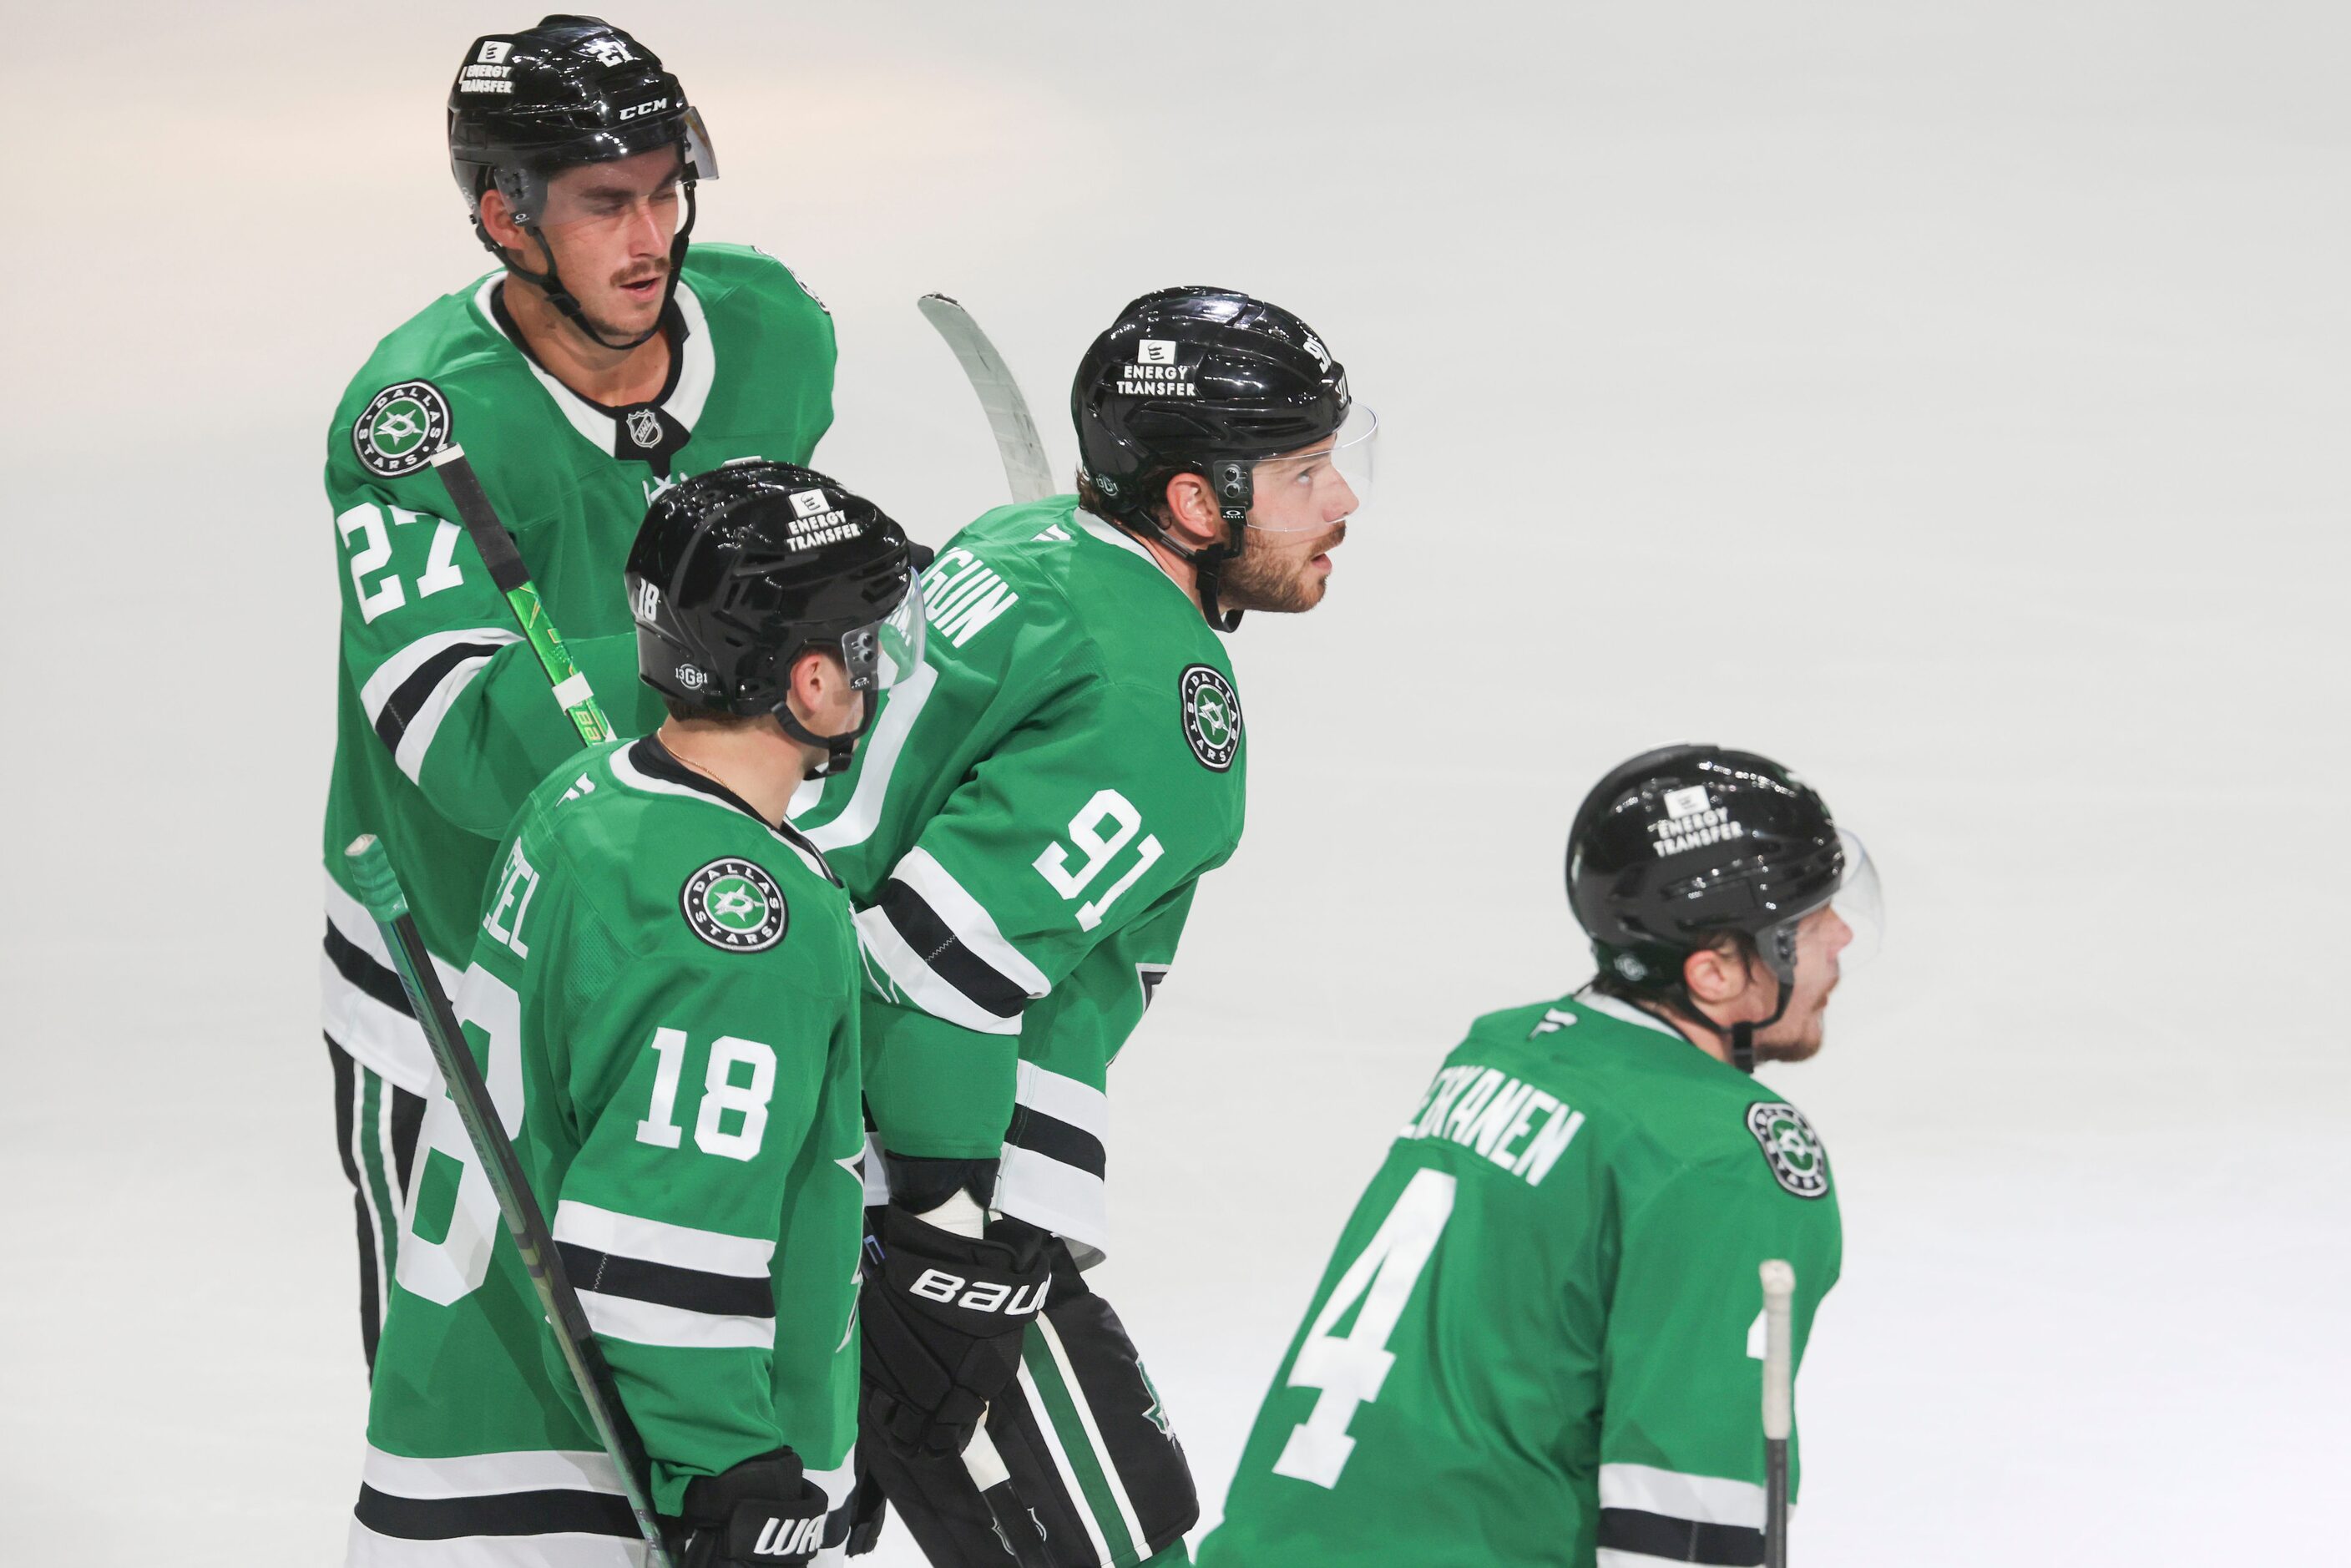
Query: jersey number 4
x: 1350, y: 1368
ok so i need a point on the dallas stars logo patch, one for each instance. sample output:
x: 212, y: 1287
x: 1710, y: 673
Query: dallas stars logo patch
x: 401, y: 428
x: 735, y: 905
x: 1212, y: 717
x: 1790, y: 1147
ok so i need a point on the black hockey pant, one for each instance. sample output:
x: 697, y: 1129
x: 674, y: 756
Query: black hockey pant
x: 1087, y: 1442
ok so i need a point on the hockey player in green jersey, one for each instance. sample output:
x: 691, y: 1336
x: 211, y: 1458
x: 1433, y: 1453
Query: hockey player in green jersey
x: 602, y: 361
x: 663, y: 995
x: 1537, y: 1340
x: 1022, y: 832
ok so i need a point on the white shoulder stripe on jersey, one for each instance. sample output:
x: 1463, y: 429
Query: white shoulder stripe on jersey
x: 417, y: 739
x: 971, y: 922
x: 1064, y: 1098
x: 1708, y: 1499
x: 677, y: 1328
x: 655, y: 1241
x: 918, y: 982
x: 481, y: 1475
x: 1074, y: 1204
x: 877, y: 758
x: 1626, y: 1012
x: 698, y: 365
x: 394, y: 673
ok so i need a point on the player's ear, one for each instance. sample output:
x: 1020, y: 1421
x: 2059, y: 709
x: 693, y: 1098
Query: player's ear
x: 818, y: 685
x: 1714, y: 976
x: 1192, y: 512
x: 498, y: 220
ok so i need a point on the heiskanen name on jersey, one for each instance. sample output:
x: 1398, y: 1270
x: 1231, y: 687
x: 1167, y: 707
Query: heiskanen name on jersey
x: 1539, y: 1339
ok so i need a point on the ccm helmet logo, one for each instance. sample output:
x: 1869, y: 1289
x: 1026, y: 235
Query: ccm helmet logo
x: 987, y: 1296
x: 636, y: 111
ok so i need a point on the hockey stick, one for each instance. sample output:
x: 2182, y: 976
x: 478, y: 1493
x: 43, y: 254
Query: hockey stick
x: 1026, y: 470
x: 379, y: 889
x: 1017, y: 446
x: 1779, y: 1407
x: 513, y: 578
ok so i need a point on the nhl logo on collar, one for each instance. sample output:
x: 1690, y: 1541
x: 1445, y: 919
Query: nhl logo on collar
x: 1790, y: 1147
x: 400, y: 429
x: 1212, y: 716
x: 735, y: 905
x: 644, y: 427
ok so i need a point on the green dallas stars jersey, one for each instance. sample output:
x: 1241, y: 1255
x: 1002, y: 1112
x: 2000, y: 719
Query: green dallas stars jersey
x: 445, y: 721
x: 1539, y: 1340
x: 664, y: 997
x: 1021, y: 832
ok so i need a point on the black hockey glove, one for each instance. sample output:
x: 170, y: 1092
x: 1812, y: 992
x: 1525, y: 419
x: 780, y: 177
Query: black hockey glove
x: 943, y: 1316
x: 763, y: 1513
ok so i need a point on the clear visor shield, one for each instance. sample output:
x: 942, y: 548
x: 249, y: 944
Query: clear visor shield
x: 1860, y: 902
x: 890, y: 651
x: 1319, y: 486
x: 1853, y: 934
x: 701, y: 162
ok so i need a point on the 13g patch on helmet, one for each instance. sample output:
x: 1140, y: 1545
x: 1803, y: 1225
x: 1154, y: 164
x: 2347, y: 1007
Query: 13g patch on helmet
x: 735, y: 905
x: 401, y: 428
x: 1212, y: 717
x: 1790, y: 1147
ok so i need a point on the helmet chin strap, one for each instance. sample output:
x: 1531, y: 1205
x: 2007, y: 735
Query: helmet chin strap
x: 1233, y: 489
x: 561, y: 297
x: 838, y: 748
x: 1741, y: 1035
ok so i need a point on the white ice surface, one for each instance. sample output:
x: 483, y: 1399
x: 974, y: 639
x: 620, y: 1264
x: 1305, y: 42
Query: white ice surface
x: 1947, y: 400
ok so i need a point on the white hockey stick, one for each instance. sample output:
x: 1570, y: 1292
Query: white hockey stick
x: 1779, y: 1407
x: 1026, y: 468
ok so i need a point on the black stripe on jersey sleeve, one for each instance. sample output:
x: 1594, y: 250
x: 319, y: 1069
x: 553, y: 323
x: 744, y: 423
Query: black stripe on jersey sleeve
x: 410, y: 697
x: 666, y: 1285
x: 1680, y: 1540
x: 936, y: 945
x: 555, y: 1512
x: 357, y: 965
x: 1057, y: 1140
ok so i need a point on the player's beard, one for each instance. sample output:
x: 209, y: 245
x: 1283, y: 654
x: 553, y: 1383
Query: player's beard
x: 613, y: 331
x: 1274, y: 579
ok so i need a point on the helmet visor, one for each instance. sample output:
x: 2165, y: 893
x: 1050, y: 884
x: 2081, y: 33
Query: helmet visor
x: 1326, y: 482
x: 1858, y: 902
x: 887, y: 653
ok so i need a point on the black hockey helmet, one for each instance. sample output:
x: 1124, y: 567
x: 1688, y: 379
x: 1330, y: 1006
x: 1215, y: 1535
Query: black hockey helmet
x: 1681, y: 845
x: 570, y: 90
x: 736, y: 572
x: 1208, y: 381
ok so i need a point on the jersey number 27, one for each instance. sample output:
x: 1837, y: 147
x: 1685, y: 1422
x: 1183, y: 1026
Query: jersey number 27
x: 1350, y: 1368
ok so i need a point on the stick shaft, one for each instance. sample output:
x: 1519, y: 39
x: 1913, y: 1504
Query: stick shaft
x: 379, y: 891
x: 1017, y: 446
x: 1779, y: 1280
x: 497, y: 548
